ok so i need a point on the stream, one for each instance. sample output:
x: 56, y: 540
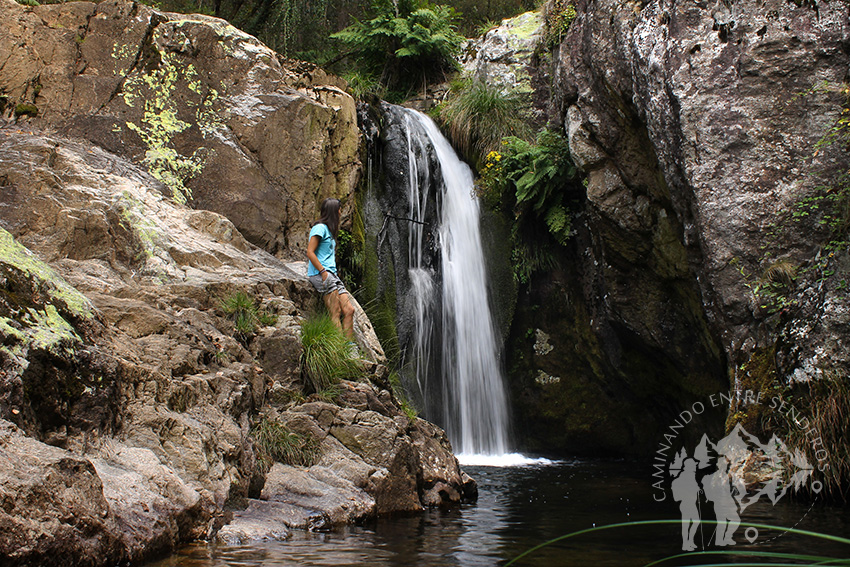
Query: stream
x: 521, y: 507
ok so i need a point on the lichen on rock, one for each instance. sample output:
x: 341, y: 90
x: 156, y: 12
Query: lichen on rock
x: 40, y: 277
x: 217, y: 117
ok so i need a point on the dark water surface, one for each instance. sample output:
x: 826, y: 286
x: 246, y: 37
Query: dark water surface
x: 521, y: 507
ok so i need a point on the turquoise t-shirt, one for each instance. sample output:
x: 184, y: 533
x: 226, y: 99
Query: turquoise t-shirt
x: 325, y: 252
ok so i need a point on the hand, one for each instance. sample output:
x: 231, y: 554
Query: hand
x: 324, y: 275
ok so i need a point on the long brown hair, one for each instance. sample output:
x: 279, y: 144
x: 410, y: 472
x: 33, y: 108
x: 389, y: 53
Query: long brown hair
x: 330, y: 215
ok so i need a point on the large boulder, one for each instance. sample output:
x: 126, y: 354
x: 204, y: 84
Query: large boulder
x: 219, y: 119
x: 53, y: 506
x: 509, y: 57
x: 503, y: 56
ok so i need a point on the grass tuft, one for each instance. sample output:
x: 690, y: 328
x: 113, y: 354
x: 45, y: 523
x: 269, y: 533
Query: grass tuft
x: 781, y: 272
x: 326, y: 358
x: 247, y: 317
x: 826, y: 405
x: 477, y: 116
x: 276, y: 442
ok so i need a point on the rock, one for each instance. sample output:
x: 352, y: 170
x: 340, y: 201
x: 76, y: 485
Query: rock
x: 318, y: 489
x: 54, y: 509
x: 153, y: 508
x: 215, y: 116
x: 262, y: 521
x: 696, y: 127
x: 372, y: 444
x: 443, y: 482
x: 508, y: 57
x: 117, y: 351
x: 501, y: 57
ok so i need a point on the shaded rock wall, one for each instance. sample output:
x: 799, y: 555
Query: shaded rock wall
x: 696, y: 126
x: 218, y: 118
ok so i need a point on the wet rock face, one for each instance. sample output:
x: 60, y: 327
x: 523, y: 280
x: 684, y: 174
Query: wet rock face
x: 696, y: 126
x: 387, y: 212
x: 213, y: 114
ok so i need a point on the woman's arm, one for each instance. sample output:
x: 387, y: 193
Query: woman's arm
x: 311, y: 255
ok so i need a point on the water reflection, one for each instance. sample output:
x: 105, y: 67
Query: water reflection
x: 520, y: 507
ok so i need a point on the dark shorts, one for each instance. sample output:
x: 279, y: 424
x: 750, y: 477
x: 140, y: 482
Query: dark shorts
x: 331, y: 283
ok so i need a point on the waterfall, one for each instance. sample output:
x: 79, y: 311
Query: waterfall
x: 472, y: 397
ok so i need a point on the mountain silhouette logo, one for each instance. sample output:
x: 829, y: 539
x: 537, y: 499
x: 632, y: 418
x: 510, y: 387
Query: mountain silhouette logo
x: 728, y: 476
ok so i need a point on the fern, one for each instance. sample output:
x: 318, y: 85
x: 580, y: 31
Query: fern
x: 407, y: 46
x: 534, y: 180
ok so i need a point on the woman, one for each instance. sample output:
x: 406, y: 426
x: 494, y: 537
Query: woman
x: 321, y: 268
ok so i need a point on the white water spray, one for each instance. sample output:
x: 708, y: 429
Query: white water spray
x: 473, y: 393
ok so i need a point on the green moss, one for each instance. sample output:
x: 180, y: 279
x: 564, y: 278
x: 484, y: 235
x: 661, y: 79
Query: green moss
x: 670, y: 260
x: 14, y: 338
x: 44, y: 277
x: 759, y: 375
x: 526, y: 25
x: 50, y: 332
x: 26, y: 109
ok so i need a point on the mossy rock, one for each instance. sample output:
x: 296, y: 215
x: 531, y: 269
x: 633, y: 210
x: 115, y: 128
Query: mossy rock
x: 26, y: 109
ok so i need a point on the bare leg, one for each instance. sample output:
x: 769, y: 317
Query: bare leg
x: 347, y: 315
x: 332, y: 303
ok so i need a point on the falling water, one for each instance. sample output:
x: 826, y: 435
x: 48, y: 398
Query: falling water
x: 473, y: 394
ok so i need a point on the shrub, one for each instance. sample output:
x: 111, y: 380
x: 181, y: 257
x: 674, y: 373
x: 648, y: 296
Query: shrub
x: 477, y: 116
x: 362, y: 85
x: 350, y: 257
x: 276, y: 442
x: 326, y: 358
x: 557, y: 17
x: 825, y: 406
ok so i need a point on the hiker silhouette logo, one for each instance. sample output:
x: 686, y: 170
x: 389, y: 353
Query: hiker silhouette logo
x: 715, y: 482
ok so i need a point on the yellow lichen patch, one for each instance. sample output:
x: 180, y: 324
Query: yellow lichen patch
x: 49, y: 331
x: 123, y: 51
x: 39, y: 329
x: 44, y: 277
x: 526, y: 25
x: 162, y: 121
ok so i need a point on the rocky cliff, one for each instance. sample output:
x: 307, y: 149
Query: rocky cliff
x: 129, y: 399
x: 696, y: 264
x: 217, y: 117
